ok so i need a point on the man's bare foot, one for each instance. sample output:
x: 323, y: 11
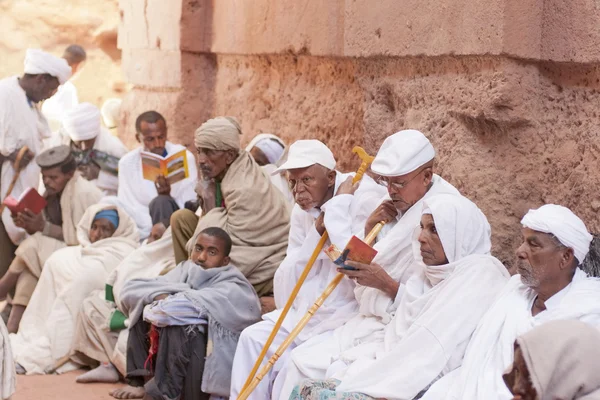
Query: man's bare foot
x: 128, y: 392
x: 105, y: 373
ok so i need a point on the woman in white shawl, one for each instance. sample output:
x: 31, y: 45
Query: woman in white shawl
x: 438, y: 311
x: 69, y: 275
x: 270, y: 152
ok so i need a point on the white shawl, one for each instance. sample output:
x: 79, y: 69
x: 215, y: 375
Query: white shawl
x: 68, y: 277
x: 8, y: 376
x: 491, y: 350
x: 20, y: 125
x: 438, y: 312
x: 136, y: 193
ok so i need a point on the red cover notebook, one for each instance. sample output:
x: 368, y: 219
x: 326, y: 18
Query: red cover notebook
x: 29, y: 199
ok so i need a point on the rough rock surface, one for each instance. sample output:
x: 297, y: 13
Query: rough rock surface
x: 52, y: 25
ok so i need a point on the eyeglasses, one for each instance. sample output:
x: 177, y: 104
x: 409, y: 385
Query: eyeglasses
x: 385, y: 181
x: 307, y: 182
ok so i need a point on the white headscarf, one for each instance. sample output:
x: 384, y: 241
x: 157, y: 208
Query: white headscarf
x: 402, y: 153
x: 110, y: 112
x: 272, y: 149
x: 561, y: 222
x: 82, y: 122
x: 39, y: 62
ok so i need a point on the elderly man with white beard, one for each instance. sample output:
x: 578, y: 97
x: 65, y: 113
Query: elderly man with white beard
x: 439, y: 309
x: 549, y: 286
x: 405, y: 164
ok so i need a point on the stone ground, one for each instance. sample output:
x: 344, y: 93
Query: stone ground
x: 63, y: 387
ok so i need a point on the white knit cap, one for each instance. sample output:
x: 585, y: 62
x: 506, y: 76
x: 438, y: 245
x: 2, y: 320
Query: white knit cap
x: 305, y: 153
x: 402, y: 153
x: 39, y: 62
x: 82, y: 122
x: 561, y: 222
x: 110, y: 112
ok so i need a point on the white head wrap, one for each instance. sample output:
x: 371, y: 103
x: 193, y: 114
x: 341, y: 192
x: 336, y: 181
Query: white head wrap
x: 39, y: 62
x: 402, y: 153
x: 271, y: 146
x: 110, y: 112
x: 82, y: 122
x: 559, y: 221
x: 304, y: 153
x: 462, y: 227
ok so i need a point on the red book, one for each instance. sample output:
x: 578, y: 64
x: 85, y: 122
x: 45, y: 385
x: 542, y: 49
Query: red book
x: 29, y: 199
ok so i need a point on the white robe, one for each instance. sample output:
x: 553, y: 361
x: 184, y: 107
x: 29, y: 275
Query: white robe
x: 344, y: 215
x: 46, y: 331
x: 8, y: 376
x: 395, y: 254
x: 57, y: 106
x: 491, y: 349
x: 20, y: 125
x: 136, y: 193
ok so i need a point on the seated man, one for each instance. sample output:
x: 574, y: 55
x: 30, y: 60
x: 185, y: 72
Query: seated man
x: 439, y: 309
x: 556, y: 360
x: 152, y: 203
x: 549, y: 286
x: 97, y: 151
x: 325, y: 200
x: 106, y: 235
x: 100, y: 332
x: 239, y: 198
x: 405, y: 164
x: 193, y: 316
x: 68, y: 196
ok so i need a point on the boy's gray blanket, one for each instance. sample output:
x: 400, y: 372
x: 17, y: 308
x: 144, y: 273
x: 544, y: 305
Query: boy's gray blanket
x: 224, y: 295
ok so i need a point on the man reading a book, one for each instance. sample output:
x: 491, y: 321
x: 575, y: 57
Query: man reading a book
x: 325, y: 200
x: 238, y: 197
x: 67, y: 195
x: 21, y: 124
x: 97, y: 151
x: 151, y: 203
x: 185, y: 324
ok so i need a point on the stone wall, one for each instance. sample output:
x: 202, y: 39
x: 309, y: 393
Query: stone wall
x: 505, y: 89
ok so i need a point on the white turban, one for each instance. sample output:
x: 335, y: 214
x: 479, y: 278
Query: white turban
x: 559, y: 221
x: 110, y: 112
x: 304, y: 153
x: 39, y: 62
x: 82, y: 122
x: 402, y: 153
x: 272, y: 149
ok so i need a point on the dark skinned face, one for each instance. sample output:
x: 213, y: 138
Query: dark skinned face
x: 214, y: 163
x: 209, y: 252
x: 101, y: 229
x: 84, y: 144
x: 311, y: 186
x: 55, y: 180
x: 42, y: 87
x: 432, y: 250
x: 406, y: 190
x: 259, y: 156
x: 518, y: 379
x: 153, y: 136
x: 540, y: 259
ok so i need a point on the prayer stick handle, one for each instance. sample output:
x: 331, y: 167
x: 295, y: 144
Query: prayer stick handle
x: 366, y: 160
x: 303, y: 322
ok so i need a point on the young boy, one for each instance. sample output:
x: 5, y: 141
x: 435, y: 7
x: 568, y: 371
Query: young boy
x: 172, y: 317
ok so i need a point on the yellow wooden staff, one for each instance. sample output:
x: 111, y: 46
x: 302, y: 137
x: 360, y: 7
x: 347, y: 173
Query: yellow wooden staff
x: 302, y: 323
x: 366, y: 160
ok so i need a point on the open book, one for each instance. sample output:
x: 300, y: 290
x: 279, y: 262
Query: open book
x: 30, y: 199
x: 356, y: 250
x: 174, y: 167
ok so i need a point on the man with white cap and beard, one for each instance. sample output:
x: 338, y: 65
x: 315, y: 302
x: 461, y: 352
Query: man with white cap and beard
x: 325, y: 200
x: 404, y: 164
x: 96, y: 151
x: 22, y: 124
x: 549, y: 285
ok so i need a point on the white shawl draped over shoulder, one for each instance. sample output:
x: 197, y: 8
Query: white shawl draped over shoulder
x: 438, y: 312
x: 491, y: 349
x: 135, y: 193
x: 8, y: 376
x: 21, y: 125
x: 68, y: 277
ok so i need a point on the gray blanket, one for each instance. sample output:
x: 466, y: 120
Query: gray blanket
x: 223, y: 294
